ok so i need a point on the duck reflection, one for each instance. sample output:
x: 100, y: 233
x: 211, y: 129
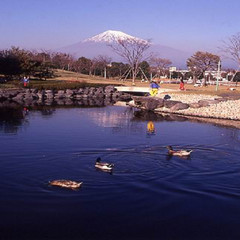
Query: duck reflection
x: 150, y: 128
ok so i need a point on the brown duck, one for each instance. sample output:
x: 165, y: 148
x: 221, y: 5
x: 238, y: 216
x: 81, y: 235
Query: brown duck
x: 66, y: 184
x: 103, y: 165
x: 180, y: 153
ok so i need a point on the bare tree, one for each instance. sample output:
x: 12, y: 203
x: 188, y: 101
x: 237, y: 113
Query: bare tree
x: 63, y: 60
x: 159, y: 65
x: 201, y: 62
x: 83, y: 65
x: 231, y: 48
x: 132, y: 50
x: 104, y: 61
x: 101, y: 62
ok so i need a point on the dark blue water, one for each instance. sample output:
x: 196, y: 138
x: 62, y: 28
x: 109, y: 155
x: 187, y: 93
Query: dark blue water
x: 147, y: 196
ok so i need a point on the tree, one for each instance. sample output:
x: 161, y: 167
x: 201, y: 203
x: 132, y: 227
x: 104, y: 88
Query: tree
x: 145, y: 69
x: 117, y: 69
x: 63, y: 61
x: 231, y: 48
x: 201, y: 62
x: 42, y: 64
x: 100, y: 64
x: 159, y: 65
x: 83, y: 65
x: 9, y: 65
x: 15, y: 62
x: 132, y: 51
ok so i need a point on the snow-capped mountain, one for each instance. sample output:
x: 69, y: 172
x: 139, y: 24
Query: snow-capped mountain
x: 99, y: 45
x: 111, y: 36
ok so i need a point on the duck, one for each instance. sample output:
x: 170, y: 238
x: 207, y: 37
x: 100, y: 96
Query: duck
x: 103, y: 165
x: 180, y: 153
x: 66, y: 184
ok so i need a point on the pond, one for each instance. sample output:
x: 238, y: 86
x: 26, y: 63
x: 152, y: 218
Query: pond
x: 148, y: 195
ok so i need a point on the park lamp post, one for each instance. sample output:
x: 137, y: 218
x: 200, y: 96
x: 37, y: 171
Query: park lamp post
x: 218, y: 74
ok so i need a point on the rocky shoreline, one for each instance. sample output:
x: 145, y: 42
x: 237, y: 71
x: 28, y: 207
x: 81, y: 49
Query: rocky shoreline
x: 202, y: 106
x: 82, y: 96
x: 191, y: 105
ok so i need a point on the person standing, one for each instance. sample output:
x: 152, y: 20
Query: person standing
x: 181, y: 87
x: 25, y: 81
x: 154, y: 88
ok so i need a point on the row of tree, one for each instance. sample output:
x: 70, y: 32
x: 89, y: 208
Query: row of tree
x: 16, y: 62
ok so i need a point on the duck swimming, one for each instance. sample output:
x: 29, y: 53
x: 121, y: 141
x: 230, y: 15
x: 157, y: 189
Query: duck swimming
x: 103, y: 165
x: 66, y: 184
x: 180, y: 153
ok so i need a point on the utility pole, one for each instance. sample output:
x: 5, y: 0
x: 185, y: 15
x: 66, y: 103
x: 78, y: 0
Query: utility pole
x: 218, y: 74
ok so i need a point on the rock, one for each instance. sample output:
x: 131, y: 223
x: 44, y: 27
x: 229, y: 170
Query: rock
x: 69, y: 92
x: 40, y: 95
x: 60, y: 92
x: 100, y: 90
x: 234, y: 97
x: 109, y: 89
x: 59, y: 96
x: 28, y: 97
x: 86, y: 91
x: 27, y: 90
x: 115, y: 95
x: 125, y: 97
x: 49, y: 91
x: 35, y: 96
x: 221, y: 99
x: 170, y: 103
x: 151, y: 104
x: 142, y: 100
x: 34, y: 90
x: 68, y: 102
x: 78, y: 96
x: 99, y: 95
x: 49, y: 101
x: 194, y: 105
x: 49, y: 96
x: 205, y: 103
x: 69, y: 96
x: 179, y: 106
x: 60, y: 102
x: 80, y: 91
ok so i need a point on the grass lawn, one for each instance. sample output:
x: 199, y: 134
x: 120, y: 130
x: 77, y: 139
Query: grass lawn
x: 67, y: 79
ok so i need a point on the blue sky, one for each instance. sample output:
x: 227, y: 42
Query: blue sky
x: 188, y: 25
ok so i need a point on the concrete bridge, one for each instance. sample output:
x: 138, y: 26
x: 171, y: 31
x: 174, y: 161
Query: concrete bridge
x: 141, y: 89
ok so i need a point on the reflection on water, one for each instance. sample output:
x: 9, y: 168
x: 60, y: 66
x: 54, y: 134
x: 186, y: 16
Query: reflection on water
x: 147, y: 196
x: 150, y: 128
x: 11, y: 119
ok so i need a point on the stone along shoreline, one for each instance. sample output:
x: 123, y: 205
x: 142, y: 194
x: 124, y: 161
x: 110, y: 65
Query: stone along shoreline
x: 80, y: 96
x: 205, y: 106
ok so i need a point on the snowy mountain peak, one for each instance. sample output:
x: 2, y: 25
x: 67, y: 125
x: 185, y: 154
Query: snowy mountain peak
x: 111, y: 36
